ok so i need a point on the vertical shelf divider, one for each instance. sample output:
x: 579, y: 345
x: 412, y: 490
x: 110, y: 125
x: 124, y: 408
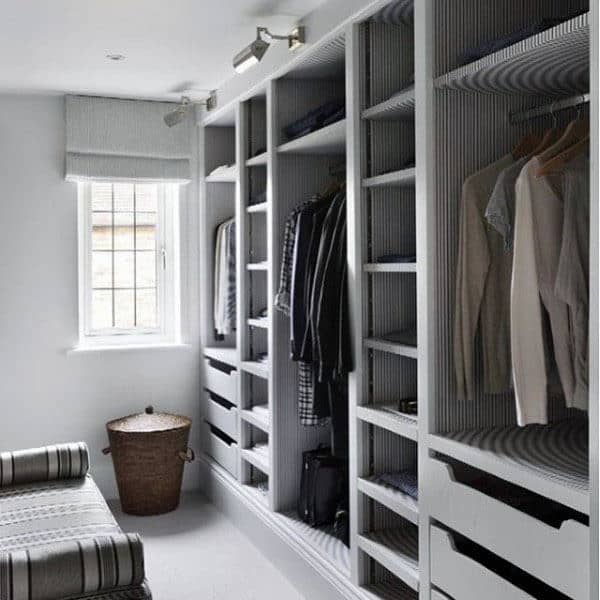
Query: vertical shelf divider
x: 241, y: 226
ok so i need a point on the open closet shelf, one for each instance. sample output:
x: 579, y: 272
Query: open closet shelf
x: 258, y: 416
x: 389, y: 590
x: 390, y: 268
x: 550, y: 460
x: 258, y: 456
x: 397, y: 550
x: 261, y: 322
x: 399, y: 106
x: 257, y: 208
x: 385, y: 346
x: 257, y: 161
x: 258, y: 266
x: 395, y: 178
x: 386, y: 417
x: 224, y: 176
x: 321, y: 539
x: 552, y: 63
x: 402, y: 504
x: 224, y: 355
x: 328, y: 140
x: 256, y: 368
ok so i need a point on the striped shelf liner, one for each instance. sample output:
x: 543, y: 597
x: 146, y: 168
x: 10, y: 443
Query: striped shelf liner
x: 390, y: 590
x: 323, y: 540
x: 401, y: 12
x: 543, y: 458
x: 397, y: 549
x: 554, y: 62
x: 397, y: 107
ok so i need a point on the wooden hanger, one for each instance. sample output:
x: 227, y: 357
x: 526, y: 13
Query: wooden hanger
x: 525, y: 146
x: 547, y: 140
x: 558, y: 162
x: 575, y: 131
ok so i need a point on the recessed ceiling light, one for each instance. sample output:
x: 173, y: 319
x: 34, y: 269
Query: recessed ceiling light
x: 115, y: 57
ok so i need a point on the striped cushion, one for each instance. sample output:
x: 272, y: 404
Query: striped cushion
x: 64, y: 461
x: 72, y: 568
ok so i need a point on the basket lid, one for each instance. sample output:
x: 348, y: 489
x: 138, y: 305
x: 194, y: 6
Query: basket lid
x: 148, y: 421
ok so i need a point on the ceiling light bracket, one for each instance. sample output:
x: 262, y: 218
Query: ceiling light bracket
x: 295, y: 39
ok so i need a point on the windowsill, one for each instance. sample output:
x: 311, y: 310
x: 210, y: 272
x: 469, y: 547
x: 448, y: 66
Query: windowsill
x: 128, y: 348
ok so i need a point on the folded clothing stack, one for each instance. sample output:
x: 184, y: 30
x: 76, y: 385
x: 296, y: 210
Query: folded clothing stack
x: 404, y: 481
x: 324, y: 115
x: 495, y: 45
x: 397, y: 258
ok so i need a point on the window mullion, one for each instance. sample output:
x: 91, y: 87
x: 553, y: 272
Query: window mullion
x: 112, y: 255
x: 135, y: 256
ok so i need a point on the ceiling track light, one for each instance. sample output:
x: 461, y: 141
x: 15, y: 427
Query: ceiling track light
x: 253, y: 53
x: 177, y: 115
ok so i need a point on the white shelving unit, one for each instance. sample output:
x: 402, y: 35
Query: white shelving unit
x: 409, y: 100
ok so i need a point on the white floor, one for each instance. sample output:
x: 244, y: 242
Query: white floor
x: 195, y: 553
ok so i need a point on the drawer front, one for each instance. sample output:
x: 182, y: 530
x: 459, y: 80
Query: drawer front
x: 225, y: 454
x: 221, y: 417
x: 464, y: 578
x: 221, y: 383
x: 559, y: 557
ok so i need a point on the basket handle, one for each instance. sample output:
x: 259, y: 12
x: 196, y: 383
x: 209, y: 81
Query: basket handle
x: 188, y: 456
x: 106, y: 450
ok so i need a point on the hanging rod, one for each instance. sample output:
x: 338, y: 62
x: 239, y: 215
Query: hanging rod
x: 548, y: 109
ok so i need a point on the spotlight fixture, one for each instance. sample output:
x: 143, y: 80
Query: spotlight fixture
x: 178, y: 114
x: 253, y: 53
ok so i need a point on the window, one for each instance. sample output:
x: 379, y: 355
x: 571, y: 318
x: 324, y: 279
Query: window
x: 129, y: 267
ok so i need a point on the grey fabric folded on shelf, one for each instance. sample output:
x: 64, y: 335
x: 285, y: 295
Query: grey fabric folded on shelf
x: 407, y: 336
x: 63, y: 461
x: 405, y: 481
x: 397, y: 258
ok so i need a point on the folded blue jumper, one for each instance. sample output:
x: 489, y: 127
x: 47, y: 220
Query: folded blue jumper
x: 315, y: 119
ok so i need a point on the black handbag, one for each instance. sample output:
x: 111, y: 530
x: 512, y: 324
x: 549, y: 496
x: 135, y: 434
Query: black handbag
x: 322, y: 486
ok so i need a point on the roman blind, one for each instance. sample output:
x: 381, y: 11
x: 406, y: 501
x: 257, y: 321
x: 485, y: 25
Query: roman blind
x: 114, y: 139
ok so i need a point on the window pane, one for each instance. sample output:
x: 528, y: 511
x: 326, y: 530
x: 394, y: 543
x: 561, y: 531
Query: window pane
x: 101, y: 309
x: 146, y: 197
x: 101, y: 196
x: 101, y: 269
x: 124, y: 309
x: 146, y: 308
x: 102, y: 231
x: 145, y: 233
x: 123, y: 196
x: 124, y: 231
x: 123, y: 269
x: 146, y: 269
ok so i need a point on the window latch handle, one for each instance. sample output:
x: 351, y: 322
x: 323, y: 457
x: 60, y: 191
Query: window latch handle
x: 163, y: 252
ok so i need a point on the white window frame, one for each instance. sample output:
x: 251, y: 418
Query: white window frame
x: 168, y: 277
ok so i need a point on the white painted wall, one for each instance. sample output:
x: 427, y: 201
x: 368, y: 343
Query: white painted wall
x: 47, y: 395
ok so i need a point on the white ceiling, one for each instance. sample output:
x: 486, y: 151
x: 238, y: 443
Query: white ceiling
x: 170, y: 45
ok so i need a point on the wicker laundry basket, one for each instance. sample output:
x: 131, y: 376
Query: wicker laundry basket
x: 149, y: 451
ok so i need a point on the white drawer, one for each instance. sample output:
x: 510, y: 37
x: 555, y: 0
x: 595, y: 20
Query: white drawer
x: 222, y: 417
x: 221, y: 383
x: 464, y: 578
x: 223, y: 452
x: 559, y: 557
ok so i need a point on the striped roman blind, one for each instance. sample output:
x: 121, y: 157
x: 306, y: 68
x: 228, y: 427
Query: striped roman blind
x: 123, y: 140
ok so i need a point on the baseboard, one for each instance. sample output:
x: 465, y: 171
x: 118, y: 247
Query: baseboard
x: 313, y: 579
